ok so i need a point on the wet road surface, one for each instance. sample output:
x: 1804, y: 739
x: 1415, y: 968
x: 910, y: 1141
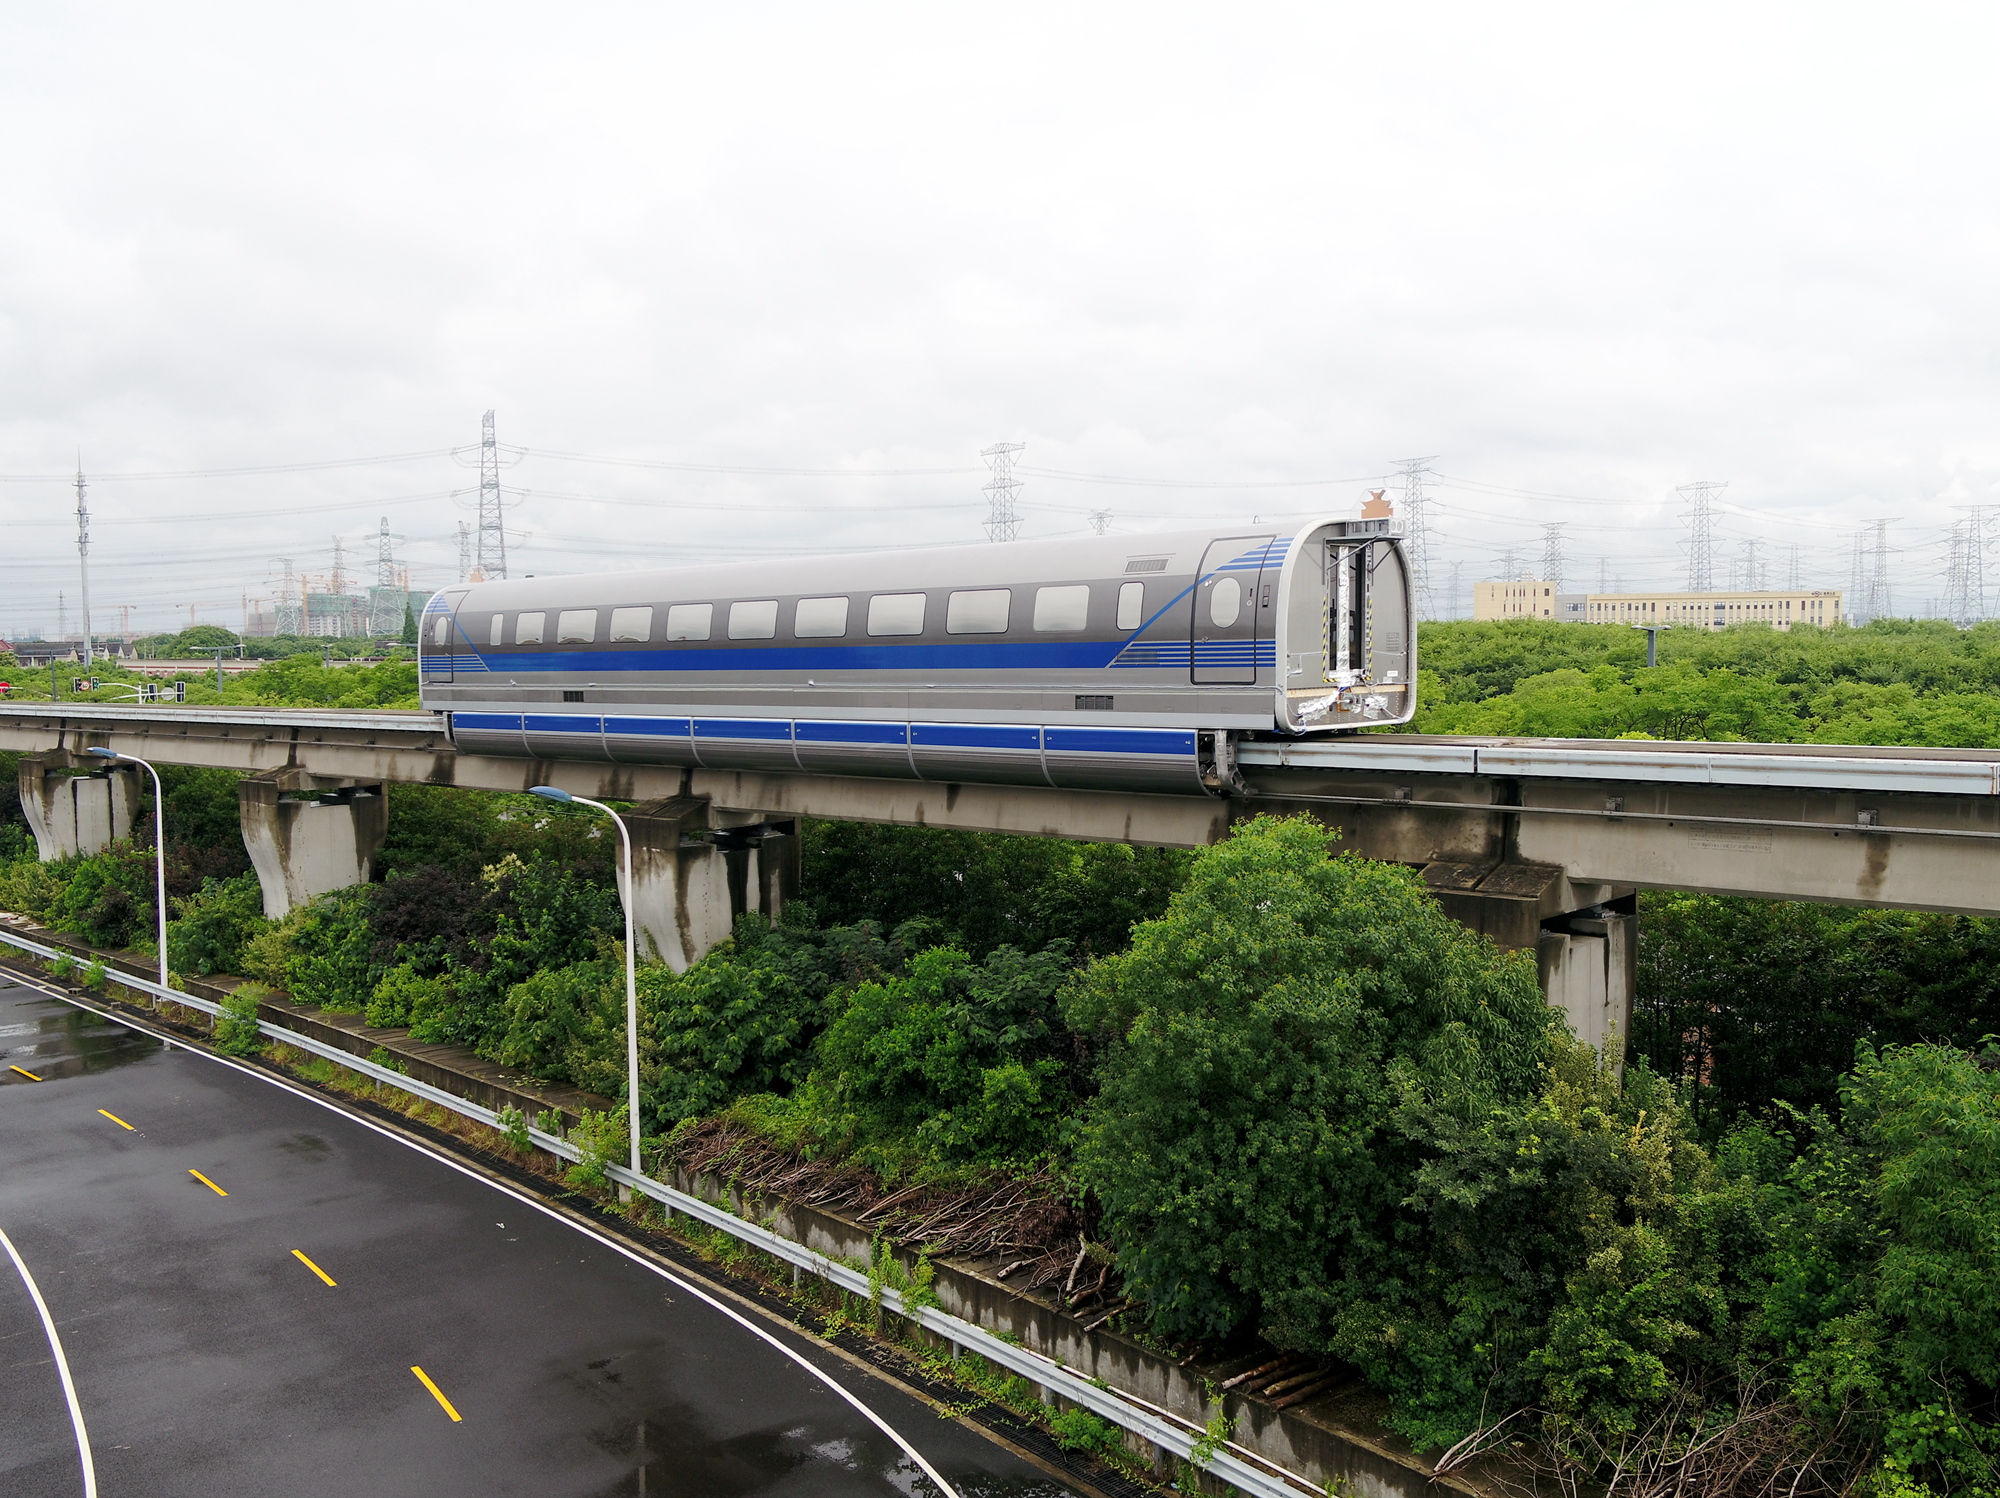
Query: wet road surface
x: 185, y: 1259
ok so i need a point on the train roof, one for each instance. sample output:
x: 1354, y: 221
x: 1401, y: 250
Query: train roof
x: 969, y: 566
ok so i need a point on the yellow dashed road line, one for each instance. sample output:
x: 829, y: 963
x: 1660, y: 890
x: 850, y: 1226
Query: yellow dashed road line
x: 25, y: 1072
x: 206, y: 1182
x: 117, y: 1120
x: 314, y: 1268
x: 436, y: 1392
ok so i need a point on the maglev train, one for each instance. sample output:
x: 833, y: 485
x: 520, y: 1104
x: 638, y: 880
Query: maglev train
x: 1121, y: 662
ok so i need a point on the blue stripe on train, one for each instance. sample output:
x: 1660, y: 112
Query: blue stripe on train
x: 1081, y: 740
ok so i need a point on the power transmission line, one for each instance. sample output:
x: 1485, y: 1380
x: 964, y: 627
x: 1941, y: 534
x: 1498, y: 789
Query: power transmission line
x: 1003, y: 521
x: 1100, y: 521
x: 1416, y: 531
x: 1701, y: 534
x: 492, y: 524
x: 1552, y: 555
x: 1879, y: 603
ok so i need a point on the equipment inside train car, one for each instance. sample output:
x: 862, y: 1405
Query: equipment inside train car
x: 1129, y: 662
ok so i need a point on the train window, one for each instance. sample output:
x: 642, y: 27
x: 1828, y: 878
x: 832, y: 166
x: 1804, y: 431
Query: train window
x: 977, y: 611
x: 1225, y: 603
x: 441, y: 632
x: 820, y: 619
x: 689, y: 621
x: 631, y: 624
x: 1063, y: 610
x: 496, y: 634
x: 576, y: 626
x: 755, y: 620
x: 528, y: 628
x: 896, y: 614
x: 1131, y: 605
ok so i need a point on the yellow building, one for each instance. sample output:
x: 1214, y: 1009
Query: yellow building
x: 1779, y: 609
x: 1517, y: 598
x: 1536, y: 598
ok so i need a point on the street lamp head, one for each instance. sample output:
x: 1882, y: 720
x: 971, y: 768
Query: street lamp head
x: 105, y: 753
x: 550, y: 793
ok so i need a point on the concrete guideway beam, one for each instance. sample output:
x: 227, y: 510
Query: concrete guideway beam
x: 303, y: 844
x: 73, y: 814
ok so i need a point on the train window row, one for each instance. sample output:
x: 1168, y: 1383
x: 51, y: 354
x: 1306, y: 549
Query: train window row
x: 1059, y: 609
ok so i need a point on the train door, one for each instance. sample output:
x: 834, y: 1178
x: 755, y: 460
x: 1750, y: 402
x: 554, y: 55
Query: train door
x: 437, y: 640
x: 1229, y: 618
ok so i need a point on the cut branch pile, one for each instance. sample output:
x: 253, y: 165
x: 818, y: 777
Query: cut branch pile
x: 1027, y: 1222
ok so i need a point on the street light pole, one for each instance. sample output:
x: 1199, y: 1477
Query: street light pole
x: 553, y: 793
x: 159, y: 850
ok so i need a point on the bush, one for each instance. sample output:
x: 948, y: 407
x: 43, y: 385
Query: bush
x: 329, y: 952
x: 106, y: 898
x: 1254, y: 1035
x: 950, y: 1061
x: 236, y: 1031
x: 567, y: 1024
x: 213, y: 925
x: 743, y: 1020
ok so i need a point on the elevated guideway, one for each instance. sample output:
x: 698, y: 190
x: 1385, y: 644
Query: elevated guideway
x: 1910, y: 828
x: 1539, y: 843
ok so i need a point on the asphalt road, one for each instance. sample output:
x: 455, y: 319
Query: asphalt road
x: 210, y: 1359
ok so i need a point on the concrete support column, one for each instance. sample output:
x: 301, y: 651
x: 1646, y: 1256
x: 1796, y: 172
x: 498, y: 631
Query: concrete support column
x: 697, y: 869
x: 680, y: 906
x: 1589, y: 967
x: 1584, y: 936
x: 75, y: 814
x: 302, y: 845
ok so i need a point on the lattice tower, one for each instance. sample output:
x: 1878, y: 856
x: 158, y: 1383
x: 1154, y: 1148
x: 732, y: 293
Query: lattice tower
x: 1701, y: 533
x: 1003, y: 522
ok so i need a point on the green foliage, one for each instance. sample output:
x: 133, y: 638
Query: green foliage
x: 952, y: 1061
x: 985, y: 890
x: 600, y: 1138
x: 567, y: 1024
x: 95, y: 975
x: 1749, y: 1001
x: 1241, y: 1142
x: 1080, y: 1431
x: 1896, y: 681
x: 328, y: 952
x: 406, y: 997
x: 513, y: 1126
x: 211, y: 927
x: 743, y: 1020
x: 236, y: 1031
x: 106, y: 898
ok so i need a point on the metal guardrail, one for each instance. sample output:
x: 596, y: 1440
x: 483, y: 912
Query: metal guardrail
x: 1235, y: 1465
x: 1815, y: 767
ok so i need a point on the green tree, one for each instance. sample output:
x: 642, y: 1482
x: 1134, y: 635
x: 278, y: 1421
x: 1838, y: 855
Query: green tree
x: 1241, y: 1142
x: 409, y: 636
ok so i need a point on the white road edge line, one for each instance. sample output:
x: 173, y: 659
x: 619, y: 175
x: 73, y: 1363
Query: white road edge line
x: 90, y: 1480
x: 62, y: 1368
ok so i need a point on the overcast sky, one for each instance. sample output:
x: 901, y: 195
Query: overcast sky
x: 1253, y: 255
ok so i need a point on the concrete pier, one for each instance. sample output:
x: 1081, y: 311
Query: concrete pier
x: 305, y: 839
x: 697, y: 869
x: 76, y: 814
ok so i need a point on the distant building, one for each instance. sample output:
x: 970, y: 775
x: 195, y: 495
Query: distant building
x: 1536, y: 598
x: 1780, y: 609
x: 1518, y: 598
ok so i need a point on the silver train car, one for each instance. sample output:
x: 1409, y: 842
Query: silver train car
x: 1120, y: 662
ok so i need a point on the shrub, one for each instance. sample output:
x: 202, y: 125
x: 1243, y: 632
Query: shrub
x: 951, y: 1059
x: 329, y: 951
x: 406, y: 997
x: 567, y: 1024
x: 1241, y: 1142
x: 213, y: 925
x: 236, y: 1028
